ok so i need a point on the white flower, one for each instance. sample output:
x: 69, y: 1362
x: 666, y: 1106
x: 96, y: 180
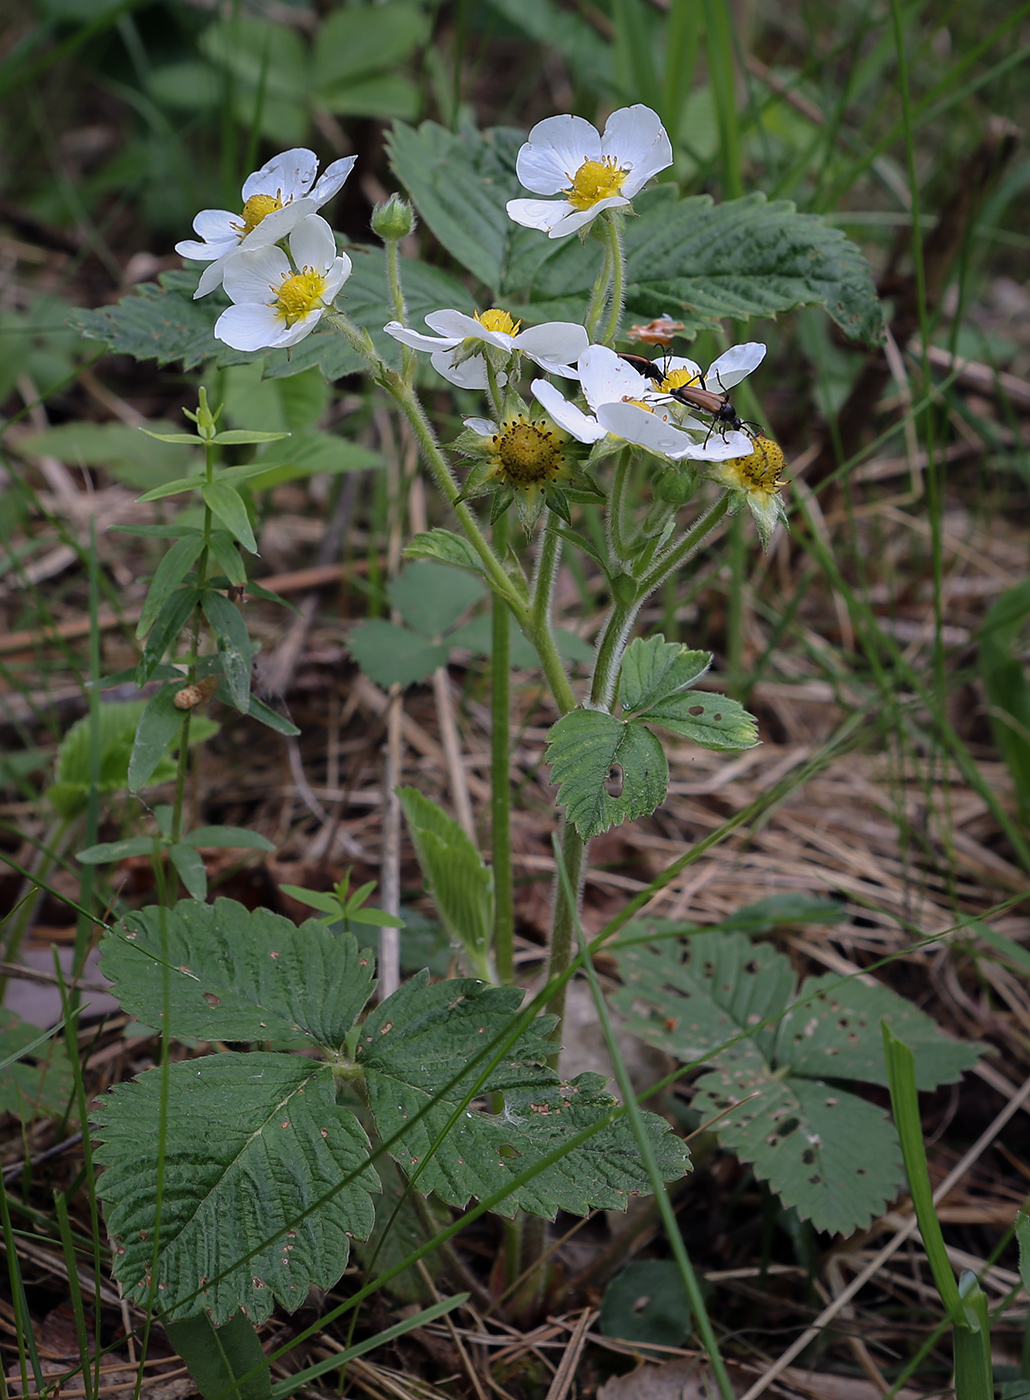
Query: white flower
x: 277, y: 305
x: 459, y: 341
x: 565, y: 155
x: 275, y: 199
x: 623, y: 404
x: 730, y: 368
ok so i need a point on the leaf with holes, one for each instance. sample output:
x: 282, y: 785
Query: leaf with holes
x: 713, y: 721
x: 718, y: 998
x: 655, y: 669
x: 427, y: 1049
x: 608, y: 770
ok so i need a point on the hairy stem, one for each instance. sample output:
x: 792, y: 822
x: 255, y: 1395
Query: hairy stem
x: 500, y: 776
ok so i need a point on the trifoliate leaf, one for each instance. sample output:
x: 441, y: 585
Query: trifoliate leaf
x: 446, y: 547
x: 432, y: 597
x: 393, y: 655
x: 264, y: 1179
x: 423, y: 1038
x: 654, y: 669
x: 157, y: 321
x: 714, y: 721
x: 237, y: 974
x: 608, y: 770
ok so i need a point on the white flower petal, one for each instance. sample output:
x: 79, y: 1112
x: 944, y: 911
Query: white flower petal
x: 211, y: 277
x: 453, y: 325
x: 216, y: 225
x: 483, y: 426
x: 254, y: 277
x: 578, y: 217
x: 250, y: 326
x: 417, y: 340
x: 582, y: 427
x: 678, y: 362
x: 720, y: 448
x: 332, y: 180
x: 289, y: 173
x: 608, y: 379
x: 299, y: 329
x: 469, y: 374
x: 205, y: 252
x: 734, y: 365
x: 556, y: 148
x: 276, y: 225
x: 312, y: 243
x: 638, y: 141
x: 556, y: 345
x: 336, y: 275
x: 538, y: 213
x: 648, y: 430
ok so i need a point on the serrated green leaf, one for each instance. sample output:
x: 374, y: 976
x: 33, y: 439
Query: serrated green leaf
x: 241, y: 1121
x: 393, y: 655
x: 159, y: 727
x: 190, y: 868
x: 108, y: 851
x: 836, y: 1034
x: 654, y: 669
x: 446, y: 548
x: 157, y: 321
x: 461, y: 883
x: 583, y: 748
x: 830, y: 1154
x: 227, y: 504
x: 234, y: 647
x: 34, y: 1082
x: 238, y: 974
x: 171, y: 571
x: 423, y: 1037
x: 165, y: 632
x: 228, y: 836
x: 459, y: 182
x: 432, y: 597
x: 714, y: 721
x: 116, y: 735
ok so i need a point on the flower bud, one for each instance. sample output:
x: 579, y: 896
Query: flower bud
x: 393, y: 220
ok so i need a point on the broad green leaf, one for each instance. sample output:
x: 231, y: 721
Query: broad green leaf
x: 307, y: 453
x: 714, y: 721
x: 166, y: 631
x: 446, y: 548
x: 108, y: 851
x: 261, y: 55
x: 766, y: 914
x: 228, y: 836
x: 647, y: 1302
x: 358, y: 41
x: 392, y: 655
x: 33, y: 1083
x: 565, y: 31
x: 387, y: 96
x: 171, y: 571
x: 227, y: 504
x: 836, y: 1034
x: 190, y: 868
x: 219, y: 1357
x: 157, y: 321
x: 422, y: 1038
x: 187, y: 86
x: 830, y: 1154
x: 459, y: 182
x: 655, y: 668
x: 250, y: 401
x: 265, y: 1178
x: 461, y: 883
x: 432, y: 597
x: 607, y: 771
x: 234, y: 647
x: 117, y: 731
x: 238, y: 974
x: 159, y: 727
x: 139, y: 459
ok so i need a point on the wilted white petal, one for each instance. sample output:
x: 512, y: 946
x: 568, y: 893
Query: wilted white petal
x: 483, y: 426
x: 332, y: 179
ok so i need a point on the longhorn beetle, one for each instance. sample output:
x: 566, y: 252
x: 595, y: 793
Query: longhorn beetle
x: 724, y: 415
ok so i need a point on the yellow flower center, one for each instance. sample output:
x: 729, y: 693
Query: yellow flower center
x: 258, y: 207
x: 679, y: 379
x: 495, y: 320
x: 760, y: 472
x: 526, y: 454
x: 299, y: 294
x: 593, y: 181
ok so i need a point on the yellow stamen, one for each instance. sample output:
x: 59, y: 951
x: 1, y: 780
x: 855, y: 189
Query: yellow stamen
x: 258, y: 207
x: 495, y: 320
x: 679, y: 379
x: 299, y: 294
x: 527, y: 455
x: 759, y: 474
x: 593, y: 181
